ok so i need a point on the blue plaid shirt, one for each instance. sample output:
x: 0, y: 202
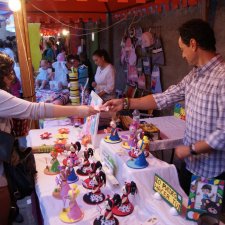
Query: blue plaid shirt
x: 203, y: 90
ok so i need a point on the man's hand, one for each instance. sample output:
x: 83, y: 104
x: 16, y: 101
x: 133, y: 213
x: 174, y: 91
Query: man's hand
x: 182, y: 151
x: 114, y: 105
x: 85, y: 111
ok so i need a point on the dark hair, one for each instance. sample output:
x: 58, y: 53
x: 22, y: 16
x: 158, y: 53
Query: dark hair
x: 102, y: 53
x: 199, y: 30
x: 207, y: 186
x: 70, y: 57
x: 6, y: 69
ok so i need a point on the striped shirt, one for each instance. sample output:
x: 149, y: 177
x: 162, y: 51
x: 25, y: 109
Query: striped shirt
x: 203, y: 90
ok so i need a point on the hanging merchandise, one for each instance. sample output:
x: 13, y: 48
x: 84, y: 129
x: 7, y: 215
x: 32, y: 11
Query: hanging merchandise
x: 132, y: 76
x: 155, y: 80
x: 147, y: 65
x: 147, y: 40
x: 142, y: 82
x: 157, y: 53
x: 138, y: 34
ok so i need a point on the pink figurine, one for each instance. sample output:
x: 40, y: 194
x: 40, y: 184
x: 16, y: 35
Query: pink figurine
x: 96, y: 196
x: 132, y: 138
x: 85, y: 169
x: 89, y: 183
x: 108, y: 217
x: 63, y: 187
x: 126, y: 206
x: 73, y: 213
x: 74, y: 149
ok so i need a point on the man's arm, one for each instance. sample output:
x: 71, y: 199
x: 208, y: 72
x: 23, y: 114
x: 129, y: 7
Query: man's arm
x: 143, y: 103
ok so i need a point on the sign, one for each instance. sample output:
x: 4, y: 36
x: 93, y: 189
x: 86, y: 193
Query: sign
x: 168, y: 193
x: 205, y: 196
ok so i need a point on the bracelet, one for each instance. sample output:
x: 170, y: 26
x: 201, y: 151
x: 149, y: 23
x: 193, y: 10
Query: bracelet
x: 126, y: 103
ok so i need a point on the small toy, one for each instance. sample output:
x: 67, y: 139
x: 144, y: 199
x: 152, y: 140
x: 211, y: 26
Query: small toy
x: 96, y: 196
x: 108, y: 217
x: 60, y: 192
x: 126, y: 207
x: 63, y: 131
x: 72, y: 177
x: 140, y: 162
x: 46, y: 135
x: 54, y: 169
x: 132, y: 139
x: 89, y: 183
x: 73, y: 213
x: 85, y: 169
x: 74, y: 149
x: 114, y: 137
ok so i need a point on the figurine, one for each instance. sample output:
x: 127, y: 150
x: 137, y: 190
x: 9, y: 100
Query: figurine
x: 73, y: 213
x: 63, y: 187
x: 96, y: 196
x: 132, y: 138
x: 89, y: 183
x: 140, y: 162
x: 54, y: 169
x: 114, y: 137
x: 72, y: 177
x: 45, y: 135
x: 108, y: 217
x: 74, y: 149
x: 85, y: 168
x: 126, y: 206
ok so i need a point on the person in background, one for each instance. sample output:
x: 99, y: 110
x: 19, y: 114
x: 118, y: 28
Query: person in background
x: 13, y: 107
x: 48, y: 53
x: 203, y: 90
x: 43, y: 76
x: 104, y: 83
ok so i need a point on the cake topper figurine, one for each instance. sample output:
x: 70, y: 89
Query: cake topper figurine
x: 108, y: 217
x: 89, y: 183
x: 126, y: 207
x: 85, y: 167
x: 140, y: 162
x: 132, y: 140
x: 72, y: 177
x: 114, y: 136
x: 74, y: 149
x: 54, y: 168
x: 60, y: 192
x: 73, y: 213
x: 96, y: 196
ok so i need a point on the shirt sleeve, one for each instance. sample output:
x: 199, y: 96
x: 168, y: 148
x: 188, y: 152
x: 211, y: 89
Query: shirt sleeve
x: 110, y: 81
x: 173, y: 94
x: 13, y: 107
x: 217, y: 138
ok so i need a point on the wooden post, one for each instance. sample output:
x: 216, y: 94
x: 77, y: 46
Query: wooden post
x: 24, y: 54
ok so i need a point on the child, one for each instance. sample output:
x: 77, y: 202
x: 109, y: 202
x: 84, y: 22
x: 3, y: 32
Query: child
x: 43, y: 75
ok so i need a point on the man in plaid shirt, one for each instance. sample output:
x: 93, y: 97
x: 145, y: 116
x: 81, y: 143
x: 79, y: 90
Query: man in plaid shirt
x: 203, y: 90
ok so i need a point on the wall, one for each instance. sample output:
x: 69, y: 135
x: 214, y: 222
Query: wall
x: 175, y: 68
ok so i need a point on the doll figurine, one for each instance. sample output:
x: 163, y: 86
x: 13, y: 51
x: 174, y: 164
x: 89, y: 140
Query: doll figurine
x: 89, y: 183
x: 132, y: 139
x: 126, y: 207
x: 85, y: 168
x: 140, y: 162
x: 74, y: 149
x: 114, y: 137
x: 108, y: 217
x: 72, y: 177
x: 96, y: 196
x: 63, y: 187
x: 73, y: 213
x: 54, y: 168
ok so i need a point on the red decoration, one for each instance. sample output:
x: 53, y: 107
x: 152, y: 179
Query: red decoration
x: 45, y: 135
x: 64, y: 131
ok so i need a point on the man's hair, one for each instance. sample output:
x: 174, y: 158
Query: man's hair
x: 199, y: 30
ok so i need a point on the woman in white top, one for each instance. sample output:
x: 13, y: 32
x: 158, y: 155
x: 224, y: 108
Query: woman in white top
x: 104, y: 83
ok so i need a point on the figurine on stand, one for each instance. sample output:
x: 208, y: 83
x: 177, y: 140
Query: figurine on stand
x: 89, y: 183
x: 140, y: 162
x: 114, y: 136
x: 60, y: 192
x: 54, y: 169
x: 108, y: 218
x: 126, y: 207
x: 73, y: 213
x: 72, y: 177
x: 85, y: 168
x: 96, y: 196
x: 74, y: 149
x: 131, y: 143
